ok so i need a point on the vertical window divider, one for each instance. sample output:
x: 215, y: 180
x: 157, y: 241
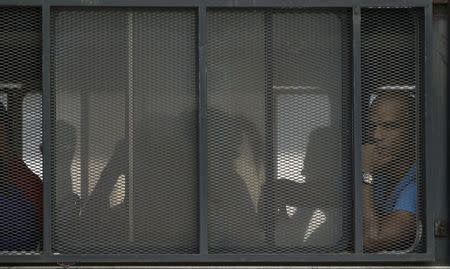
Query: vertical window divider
x: 270, y: 145
x: 357, y: 131
x: 430, y: 166
x: 130, y: 128
x: 202, y: 128
x: 48, y: 127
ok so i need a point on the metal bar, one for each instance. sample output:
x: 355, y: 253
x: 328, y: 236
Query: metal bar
x: 418, y: 90
x: 128, y: 3
x: 270, y: 143
x: 429, y: 162
x: 314, y: 3
x: 279, y: 3
x: 130, y: 129
x: 184, y: 258
x: 447, y: 171
x: 228, y: 3
x: 395, y: 3
x: 48, y: 126
x: 21, y: 2
x: 357, y: 130
x: 257, y: 258
x: 202, y: 128
x: 227, y: 267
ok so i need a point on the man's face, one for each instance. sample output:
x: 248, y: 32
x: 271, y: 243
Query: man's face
x: 390, y: 120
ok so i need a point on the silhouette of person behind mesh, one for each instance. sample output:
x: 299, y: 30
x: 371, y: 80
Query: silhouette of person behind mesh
x: 67, y: 202
x: 164, y: 173
x: 325, y: 189
x: 236, y: 149
x: 158, y: 208
x: 20, y: 198
x: 97, y: 215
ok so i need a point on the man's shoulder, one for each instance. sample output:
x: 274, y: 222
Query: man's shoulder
x: 407, y: 198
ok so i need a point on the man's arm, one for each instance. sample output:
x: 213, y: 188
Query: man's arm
x: 116, y: 166
x: 388, y: 232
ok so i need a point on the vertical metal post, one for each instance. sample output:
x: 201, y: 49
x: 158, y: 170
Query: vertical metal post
x: 429, y: 163
x: 419, y: 127
x: 202, y: 128
x: 269, y: 118
x: 130, y: 134
x: 447, y: 172
x: 47, y: 129
x: 357, y: 131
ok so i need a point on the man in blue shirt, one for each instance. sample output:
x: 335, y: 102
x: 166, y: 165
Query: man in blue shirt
x: 389, y: 174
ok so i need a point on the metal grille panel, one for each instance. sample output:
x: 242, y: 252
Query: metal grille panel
x: 392, y: 84
x: 125, y: 154
x: 20, y: 131
x: 126, y: 84
x: 278, y: 85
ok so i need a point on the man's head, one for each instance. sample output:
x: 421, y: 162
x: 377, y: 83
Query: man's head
x: 394, y: 125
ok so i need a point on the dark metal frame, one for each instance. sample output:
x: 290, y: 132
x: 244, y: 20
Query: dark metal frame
x: 430, y: 121
x: 203, y: 256
x: 357, y: 129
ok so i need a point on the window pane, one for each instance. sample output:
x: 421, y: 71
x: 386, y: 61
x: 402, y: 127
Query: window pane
x: 392, y: 153
x: 20, y: 131
x: 126, y: 135
x: 273, y: 89
x: 312, y: 87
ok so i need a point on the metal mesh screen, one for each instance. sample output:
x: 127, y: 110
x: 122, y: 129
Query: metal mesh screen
x: 20, y: 131
x: 392, y: 83
x: 124, y: 138
x: 125, y: 148
x: 279, y: 131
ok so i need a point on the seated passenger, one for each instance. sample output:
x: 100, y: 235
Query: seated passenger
x: 20, y: 199
x: 154, y: 196
x: 389, y: 175
x: 66, y: 209
x: 320, y: 222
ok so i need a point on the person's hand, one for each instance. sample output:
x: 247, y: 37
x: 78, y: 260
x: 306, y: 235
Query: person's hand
x: 372, y: 159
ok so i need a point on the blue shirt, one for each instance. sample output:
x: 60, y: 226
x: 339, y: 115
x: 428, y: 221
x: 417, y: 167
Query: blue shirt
x: 403, y: 197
